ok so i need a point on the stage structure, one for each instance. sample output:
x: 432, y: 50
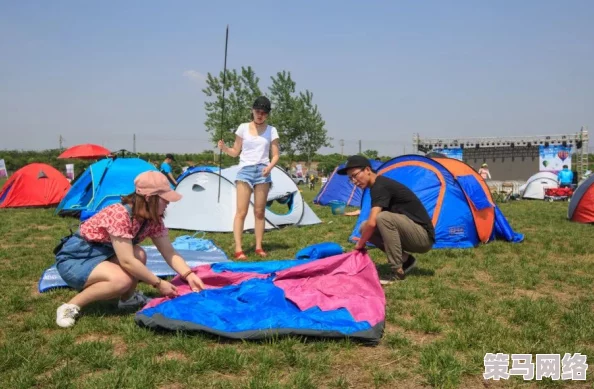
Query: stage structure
x: 516, y: 157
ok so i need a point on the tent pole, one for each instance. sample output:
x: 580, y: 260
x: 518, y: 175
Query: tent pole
x: 223, y: 112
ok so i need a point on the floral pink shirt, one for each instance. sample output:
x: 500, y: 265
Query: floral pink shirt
x: 115, y: 220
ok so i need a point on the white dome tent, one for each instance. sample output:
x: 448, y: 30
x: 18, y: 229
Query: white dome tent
x: 199, y: 210
x: 536, y: 185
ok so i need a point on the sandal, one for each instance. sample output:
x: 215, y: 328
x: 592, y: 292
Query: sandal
x: 240, y: 255
x: 261, y: 253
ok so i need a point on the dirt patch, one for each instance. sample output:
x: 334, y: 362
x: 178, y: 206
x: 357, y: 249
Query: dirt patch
x: 172, y: 385
x: 172, y: 356
x: 48, y: 373
x: 7, y: 246
x: 41, y: 227
x: 466, y: 285
x: 475, y: 382
x: 35, y: 290
x: 484, y: 277
x: 422, y: 338
x: 358, y: 365
x: 91, y: 374
x: 119, y: 346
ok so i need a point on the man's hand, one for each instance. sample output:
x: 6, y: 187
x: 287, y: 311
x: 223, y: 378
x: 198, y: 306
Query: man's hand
x: 360, y: 246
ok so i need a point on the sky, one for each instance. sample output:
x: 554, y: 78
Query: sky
x: 380, y: 71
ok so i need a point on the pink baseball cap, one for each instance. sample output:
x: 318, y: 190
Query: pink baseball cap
x: 155, y: 183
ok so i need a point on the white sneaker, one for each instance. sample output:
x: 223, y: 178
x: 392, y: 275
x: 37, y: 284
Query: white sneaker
x: 137, y: 299
x: 66, y: 315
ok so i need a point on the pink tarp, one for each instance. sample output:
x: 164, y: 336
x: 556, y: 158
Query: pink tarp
x: 343, y: 281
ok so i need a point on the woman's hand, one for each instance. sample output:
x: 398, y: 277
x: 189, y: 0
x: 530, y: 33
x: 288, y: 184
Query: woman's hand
x: 266, y: 171
x: 222, y: 146
x: 195, y: 282
x: 167, y: 289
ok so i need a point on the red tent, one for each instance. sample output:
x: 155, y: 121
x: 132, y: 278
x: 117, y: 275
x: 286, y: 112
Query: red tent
x: 85, y: 151
x: 34, y: 185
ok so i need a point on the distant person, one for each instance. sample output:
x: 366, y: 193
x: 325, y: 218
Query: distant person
x: 254, y: 143
x: 484, y: 172
x: 167, y: 170
x: 103, y: 260
x: 565, y: 177
x: 398, y: 223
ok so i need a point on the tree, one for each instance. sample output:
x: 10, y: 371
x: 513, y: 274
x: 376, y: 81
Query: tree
x: 300, y: 124
x: 311, y: 135
x: 283, y: 115
x: 241, y: 89
x: 371, y: 154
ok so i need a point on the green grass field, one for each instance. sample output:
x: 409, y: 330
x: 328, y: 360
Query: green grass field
x: 534, y: 297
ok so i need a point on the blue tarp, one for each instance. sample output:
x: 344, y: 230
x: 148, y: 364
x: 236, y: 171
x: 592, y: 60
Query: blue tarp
x: 257, y: 300
x: 262, y: 305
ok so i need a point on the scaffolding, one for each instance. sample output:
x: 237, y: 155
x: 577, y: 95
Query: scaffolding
x: 578, y: 142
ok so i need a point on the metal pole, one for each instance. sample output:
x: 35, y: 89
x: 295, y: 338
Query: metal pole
x: 223, y: 111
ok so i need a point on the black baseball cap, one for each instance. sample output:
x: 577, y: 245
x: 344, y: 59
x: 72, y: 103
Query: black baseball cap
x: 354, y: 161
x: 170, y: 156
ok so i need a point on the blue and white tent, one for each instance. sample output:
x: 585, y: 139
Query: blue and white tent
x: 102, y: 184
x: 340, y: 188
x: 201, y: 208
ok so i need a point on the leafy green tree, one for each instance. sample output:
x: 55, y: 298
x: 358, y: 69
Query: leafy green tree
x: 241, y: 89
x: 371, y: 154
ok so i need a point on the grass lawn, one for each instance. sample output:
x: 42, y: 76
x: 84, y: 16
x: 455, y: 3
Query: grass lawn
x: 534, y: 297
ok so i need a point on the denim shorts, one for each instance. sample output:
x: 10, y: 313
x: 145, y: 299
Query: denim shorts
x: 77, y: 258
x: 252, y: 175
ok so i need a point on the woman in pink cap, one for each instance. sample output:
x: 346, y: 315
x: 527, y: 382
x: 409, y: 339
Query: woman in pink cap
x: 103, y: 259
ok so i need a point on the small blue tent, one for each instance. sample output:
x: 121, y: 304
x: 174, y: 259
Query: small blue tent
x: 102, y: 184
x: 340, y: 188
x: 455, y: 197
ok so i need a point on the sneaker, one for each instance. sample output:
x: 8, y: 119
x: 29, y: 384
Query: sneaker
x: 410, y: 264
x: 393, y: 278
x: 137, y: 299
x: 66, y: 315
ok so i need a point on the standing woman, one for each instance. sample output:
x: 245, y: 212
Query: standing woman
x: 254, y: 142
x: 103, y: 260
x: 484, y: 172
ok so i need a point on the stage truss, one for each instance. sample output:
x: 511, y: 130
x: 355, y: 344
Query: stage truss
x: 578, y: 141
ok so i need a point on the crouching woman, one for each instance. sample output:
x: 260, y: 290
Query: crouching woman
x: 103, y: 259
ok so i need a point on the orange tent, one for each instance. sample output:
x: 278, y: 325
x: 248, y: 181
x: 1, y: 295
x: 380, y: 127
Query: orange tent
x: 34, y: 185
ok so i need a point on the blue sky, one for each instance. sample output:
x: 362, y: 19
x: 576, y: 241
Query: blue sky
x: 380, y: 71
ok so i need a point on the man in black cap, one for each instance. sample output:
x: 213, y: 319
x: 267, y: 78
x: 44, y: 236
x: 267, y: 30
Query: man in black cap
x: 166, y: 168
x: 398, y: 222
